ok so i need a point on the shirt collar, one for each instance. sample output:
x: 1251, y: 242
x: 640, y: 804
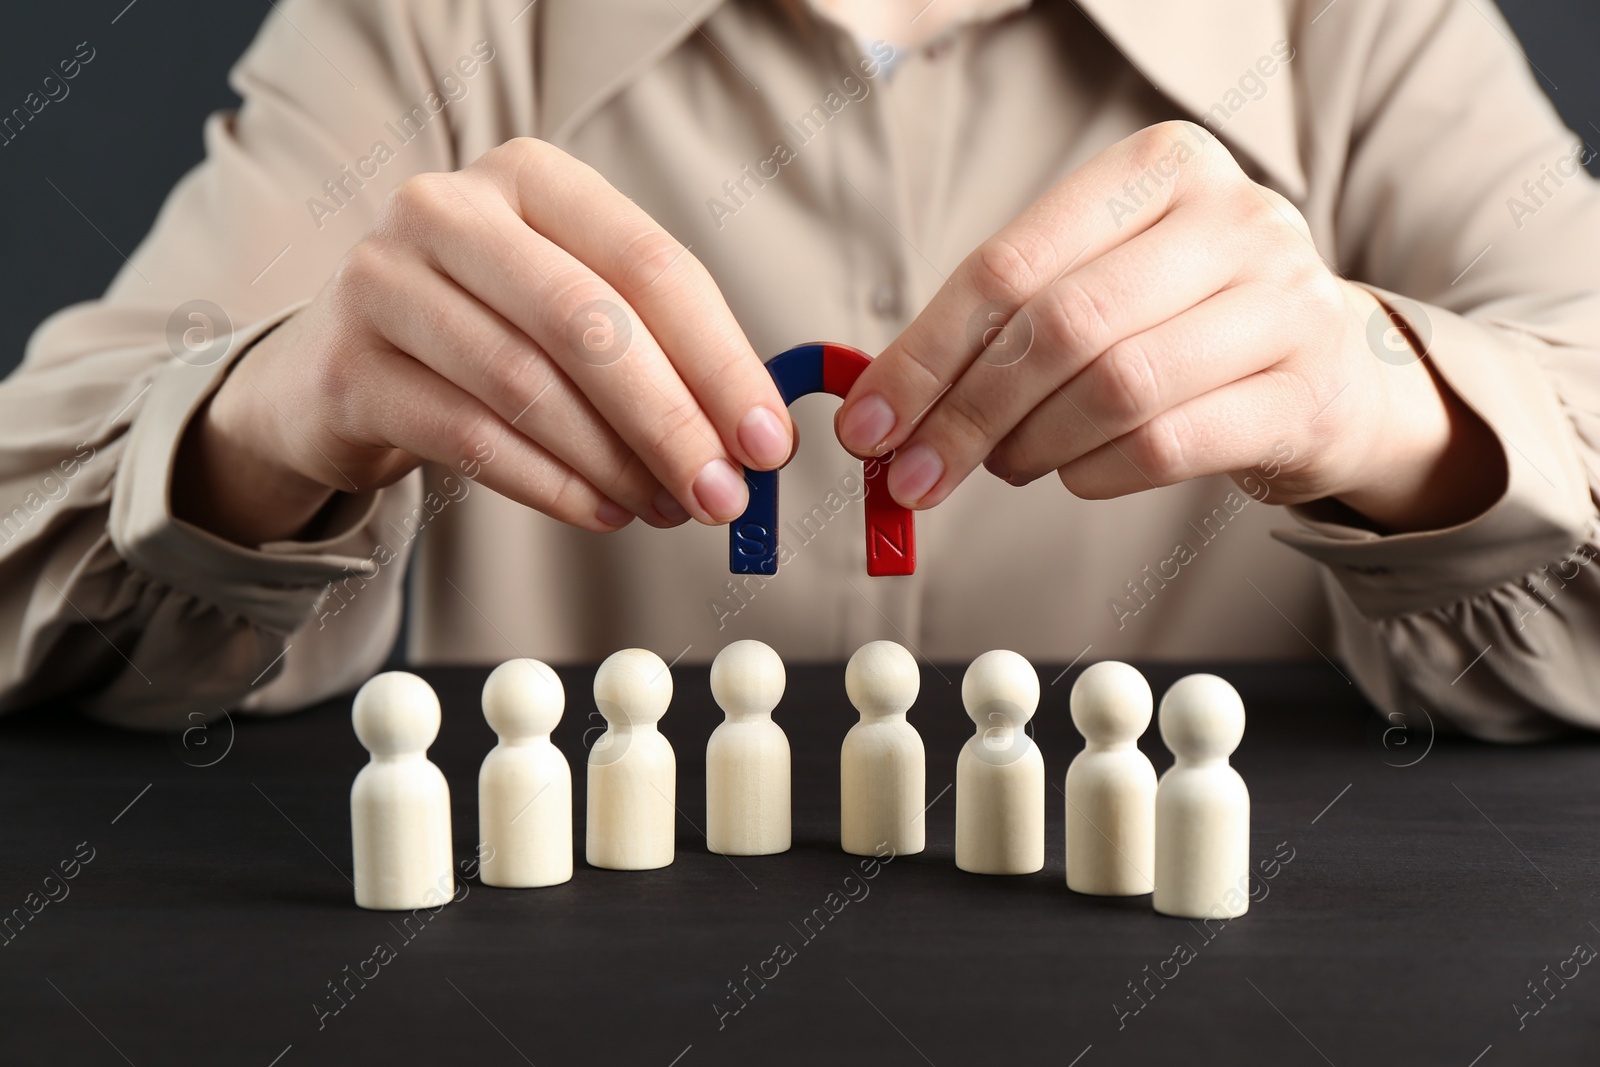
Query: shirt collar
x: 1195, y: 53
x: 588, y: 50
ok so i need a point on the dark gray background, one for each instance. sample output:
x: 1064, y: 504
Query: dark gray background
x: 131, y: 126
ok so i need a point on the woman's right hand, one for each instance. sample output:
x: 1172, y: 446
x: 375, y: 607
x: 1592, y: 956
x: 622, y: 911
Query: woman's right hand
x: 520, y: 308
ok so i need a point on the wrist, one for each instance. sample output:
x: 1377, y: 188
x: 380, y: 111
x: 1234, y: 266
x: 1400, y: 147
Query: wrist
x: 227, y: 481
x: 1429, y: 462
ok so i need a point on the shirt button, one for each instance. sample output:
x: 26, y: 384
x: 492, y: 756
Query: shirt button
x: 886, y: 301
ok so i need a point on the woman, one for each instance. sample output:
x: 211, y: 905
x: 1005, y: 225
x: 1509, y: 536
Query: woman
x: 466, y: 289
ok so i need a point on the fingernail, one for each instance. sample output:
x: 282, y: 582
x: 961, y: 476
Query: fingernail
x: 668, y: 508
x: 995, y: 467
x: 763, y: 436
x: 864, y: 427
x: 914, y: 472
x: 613, y: 514
x: 720, y: 490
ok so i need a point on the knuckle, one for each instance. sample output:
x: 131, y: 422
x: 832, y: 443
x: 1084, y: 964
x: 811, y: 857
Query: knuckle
x: 1022, y: 456
x: 647, y: 256
x: 1152, y: 143
x: 1007, y: 270
x: 418, y: 200
x: 1159, y: 448
x: 1132, y: 391
x: 1253, y: 207
x: 661, y: 436
x: 440, y: 319
x: 1194, y: 136
x: 466, y: 428
x: 1317, y: 285
x: 514, y: 166
x: 964, y: 420
x: 726, y: 388
x: 572, y: 293
x: 1073, y: 480
x: 627, y: 476
x: 1290, y: 218
x: 1073, y: 318
x: 1159, y: 146
x: 915, y: 357
x: 1186, y: 128
x: 569, y: 499
x: 517, y: 372
x: 515, y: 154
x: 724, y: 380
x: 363, y: 272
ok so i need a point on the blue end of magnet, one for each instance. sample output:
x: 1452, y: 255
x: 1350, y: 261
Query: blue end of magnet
x: 753, y: 536
x: 797, y: 372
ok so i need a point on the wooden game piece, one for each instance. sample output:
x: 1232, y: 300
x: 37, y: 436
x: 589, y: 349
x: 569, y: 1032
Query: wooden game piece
x: 882, y: 765
x: 632, y: 770
x: 890, y: 528
x: 747, y: 758
x: 400, y: 803
x: 1111, y: 785
x: 1202, y: 806
x: 525, y: 785
x: 1000, y: 773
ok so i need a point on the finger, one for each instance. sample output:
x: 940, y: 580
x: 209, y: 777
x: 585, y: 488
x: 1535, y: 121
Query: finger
x: 1073, y: 324
x: 1221, y: 340
x: 475, y: 238
x: 416, y: 410
x: 430, y: 317
x: 1115, y: 196
x: 669, y: 288
x: 1225, y: 430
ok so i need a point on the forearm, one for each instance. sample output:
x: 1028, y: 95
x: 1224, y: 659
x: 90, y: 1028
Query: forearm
x: 1439, y: 463
x: 1483, y: 623
x: 142, y: 618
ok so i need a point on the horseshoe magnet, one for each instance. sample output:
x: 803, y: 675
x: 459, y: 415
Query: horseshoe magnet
x: 891, y: 531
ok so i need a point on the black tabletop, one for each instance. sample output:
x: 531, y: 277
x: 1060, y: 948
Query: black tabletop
x: 1419, y: 899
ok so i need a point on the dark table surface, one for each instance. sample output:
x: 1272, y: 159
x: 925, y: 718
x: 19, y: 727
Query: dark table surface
x: 1420, y: 884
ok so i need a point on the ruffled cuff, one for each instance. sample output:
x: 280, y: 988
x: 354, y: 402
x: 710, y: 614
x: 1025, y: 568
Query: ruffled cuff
x: 276, y: 586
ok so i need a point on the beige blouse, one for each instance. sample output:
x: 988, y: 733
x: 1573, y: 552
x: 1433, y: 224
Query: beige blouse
x: 829, y: 203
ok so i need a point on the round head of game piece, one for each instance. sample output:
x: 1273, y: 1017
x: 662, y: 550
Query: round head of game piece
x: 747, y: 679
x: 396, y: 714
x: 882, y: 679
x: 1111, y: 703
x: 523, y: 698
x: 1000, y: 688
x: 633, y: 687
x: 1202, y: 718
